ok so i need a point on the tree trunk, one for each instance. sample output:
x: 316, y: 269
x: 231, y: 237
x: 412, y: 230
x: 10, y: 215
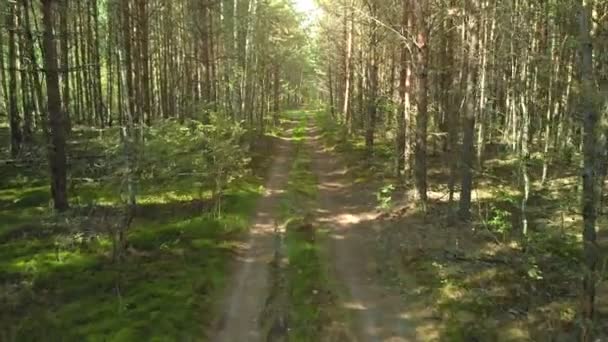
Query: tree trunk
x: 13, y: 109
x: 126, y: 17
x: 468, y: 147
x: 330, y: 86
x: 422, y: 115
x: 591, y: 152
x: 276, y: 94
x: 450, y: 106
x: 372, y: 68
x: 65, y: 63
x: 346, y: 111
x: 27, y: 99
x: 56, y: 139
x: 36, y: 87
x: 144, y: 62
x: 96, y: 59
x: 403, y: 92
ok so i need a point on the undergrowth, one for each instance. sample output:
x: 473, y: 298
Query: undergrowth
x: 484, y: 280
x: 57, y: 278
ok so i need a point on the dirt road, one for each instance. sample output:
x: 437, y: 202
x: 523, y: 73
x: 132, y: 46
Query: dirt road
x: 374, y: 312
x: 377, y: 313
x: 249, y: 287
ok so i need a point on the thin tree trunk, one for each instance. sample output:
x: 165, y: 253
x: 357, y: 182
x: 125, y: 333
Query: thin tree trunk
x: 78, y: 73
x: 100, y: 107
x: 404, y: 95
x: 346, y: 111
x: 330, y: 85
x: 452, y: 118
x: 56, y: 142
x: 277, y: 94
x: 65, y: 63
x: 126, y: 17
x: 13, y: 109
x: 422, y: 115
x: 468, y: 148
x: 27, y: 100
x: 372, y: 67
x: 591, y: 152
x: 144, y: 62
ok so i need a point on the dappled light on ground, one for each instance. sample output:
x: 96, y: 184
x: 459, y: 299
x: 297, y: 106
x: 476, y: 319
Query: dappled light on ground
x: 244, y: 297
x: 473, y: 280
x: 347, y: 208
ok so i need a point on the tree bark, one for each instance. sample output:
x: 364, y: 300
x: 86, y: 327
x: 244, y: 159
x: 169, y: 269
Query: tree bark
x: 420, y: 169
x: 450, y: 106
x: 591, y: 152
x: 144, y: 62
x: 126, y: 17
x: 372, y: 70
x: 13, y: 108
x: 468, y: 147
x: 56, y: 139
x: 346, y: 110
x: 65, y: 63
x: 404, y: 71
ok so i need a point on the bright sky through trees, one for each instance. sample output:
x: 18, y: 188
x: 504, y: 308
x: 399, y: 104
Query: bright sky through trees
x: 308, y: 8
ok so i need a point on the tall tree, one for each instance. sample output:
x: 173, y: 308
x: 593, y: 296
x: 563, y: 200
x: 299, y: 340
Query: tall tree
x: 348, y: 39
x: 65, y: 61
x: 422, y: 37
x: 56, y: 149
x: 592, y: 156
x: 468, y: 147
x: 13, y: 109
x: 403, y: 117
x: 372, y: 79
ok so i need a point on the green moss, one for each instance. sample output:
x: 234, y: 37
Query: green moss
x: 72, y: 292
x: 305, y: 276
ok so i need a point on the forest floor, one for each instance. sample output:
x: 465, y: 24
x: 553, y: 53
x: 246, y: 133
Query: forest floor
x: 57, y: 278
x: 250, y: 283
x: 330, y: 249
x: 279, y: 288
x: 375, y: 310
x: 308, y: 270
x: 479, y: 281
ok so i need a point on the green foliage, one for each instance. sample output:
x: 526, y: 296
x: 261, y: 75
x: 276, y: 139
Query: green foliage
x: 384, y: 196
x: 500, y: 222
x: 57, y: 282
x: 386, y: 105
x: 212, y: 153
x: 306, y: 278
x: 193, y: 147
x: 62, y: 287
x: 533, y: 270
x: 563, y: 245
x: 567, y: 154
x: 307, y: 283
x: 500, y: 214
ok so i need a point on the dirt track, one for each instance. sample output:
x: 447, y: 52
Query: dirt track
x: 249, y: 287
x: 374, y: 312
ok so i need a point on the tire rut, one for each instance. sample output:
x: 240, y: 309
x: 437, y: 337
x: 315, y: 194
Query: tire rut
x: 375, y: 312
x: 248, y: 290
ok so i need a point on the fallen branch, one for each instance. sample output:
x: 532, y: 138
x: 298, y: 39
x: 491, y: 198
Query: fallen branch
x: 484, y: 259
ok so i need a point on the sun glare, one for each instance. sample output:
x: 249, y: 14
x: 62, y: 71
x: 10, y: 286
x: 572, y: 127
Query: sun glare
x: 307, y: 7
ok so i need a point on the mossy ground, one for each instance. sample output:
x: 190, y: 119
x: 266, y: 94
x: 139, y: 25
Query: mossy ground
x: 57, y: 279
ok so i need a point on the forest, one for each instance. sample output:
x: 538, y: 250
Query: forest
x: 303, y: 170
